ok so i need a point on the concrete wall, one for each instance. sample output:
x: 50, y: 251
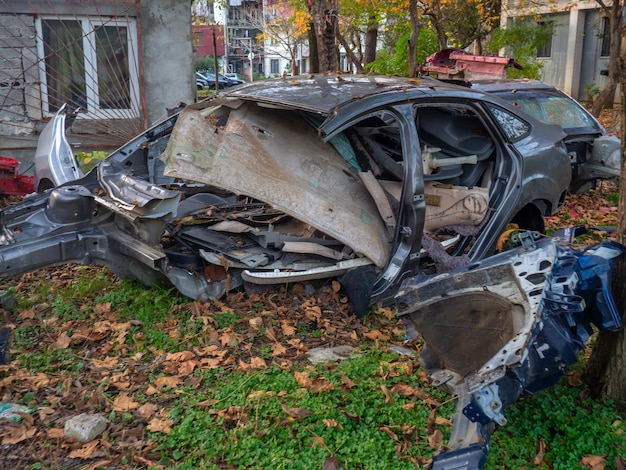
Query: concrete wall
x: 590, y: 76
x: 163, y: 47
x: 20, y: 105
x: 167, y: 55
x: 554, y: 67
x: 576, y: 62
x: 19, y: 79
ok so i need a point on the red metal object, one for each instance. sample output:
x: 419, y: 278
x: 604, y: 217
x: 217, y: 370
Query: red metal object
x: 11, y: 182
x: 458, y: 64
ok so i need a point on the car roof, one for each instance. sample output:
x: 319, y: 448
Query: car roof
x: 325, y: 93
x: 496, y: 85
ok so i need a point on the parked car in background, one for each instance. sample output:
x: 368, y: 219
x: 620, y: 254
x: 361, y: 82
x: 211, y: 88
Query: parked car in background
x: 232, y: 79
x: 223, y: 81
x: 595, y: 155
x: 210, y: 78
x: 234, y: 76
x: 201, y: 82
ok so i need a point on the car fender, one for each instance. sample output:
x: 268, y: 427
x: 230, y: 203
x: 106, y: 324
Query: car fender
x: 55, y: 163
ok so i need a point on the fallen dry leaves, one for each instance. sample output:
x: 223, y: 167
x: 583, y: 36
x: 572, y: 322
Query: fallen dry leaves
x: 113, y: 375
x: 593, y: 462
x: 595, y: 209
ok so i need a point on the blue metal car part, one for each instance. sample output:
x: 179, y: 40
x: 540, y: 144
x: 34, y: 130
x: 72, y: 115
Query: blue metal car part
x: 506, y: 327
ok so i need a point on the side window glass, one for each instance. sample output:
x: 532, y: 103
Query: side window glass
x: 513, y: 127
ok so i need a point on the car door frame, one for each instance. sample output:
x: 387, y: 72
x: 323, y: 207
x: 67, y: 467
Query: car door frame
x: 409, y: 229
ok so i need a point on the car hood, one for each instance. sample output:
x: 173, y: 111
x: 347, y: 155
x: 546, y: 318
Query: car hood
x: 254, y: 155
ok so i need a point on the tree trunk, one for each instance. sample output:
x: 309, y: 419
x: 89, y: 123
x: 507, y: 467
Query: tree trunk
x: 295, y: 66
x: 438, y: 25
x: 351, y: 56
x: 606, y: 369
x: 479, y: 46
x: 415, y: 30
x: 313, y: 55
x: 217, y: 79
x: 607, y: 96
x: 325, y: 20
x: 371, y: 38
x: 312, y: 37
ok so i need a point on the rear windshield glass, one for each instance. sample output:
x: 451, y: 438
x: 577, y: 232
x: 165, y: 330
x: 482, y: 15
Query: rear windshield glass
x: 553, y: 108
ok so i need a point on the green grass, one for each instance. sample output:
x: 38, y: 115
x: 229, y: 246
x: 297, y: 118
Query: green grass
x: 571, y: 427
x: 612, y: 197
x: 226, y: 416
x: 344, y: 423
x: 202, y: 94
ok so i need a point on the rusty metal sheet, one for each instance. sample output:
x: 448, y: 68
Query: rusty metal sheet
x: 276, y: 157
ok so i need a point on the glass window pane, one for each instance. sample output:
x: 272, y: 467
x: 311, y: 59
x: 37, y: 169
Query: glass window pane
x: 113, y: 70
x: 606, y: 38
x: 554, y: 108
x: 546, y: 49
x: 65, y: 63
x: 274, y: 66
x: 512, y: 126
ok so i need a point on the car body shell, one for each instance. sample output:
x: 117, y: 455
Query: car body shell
x: 326, y: 176
x: 54, y: 160
x: 519, y: 319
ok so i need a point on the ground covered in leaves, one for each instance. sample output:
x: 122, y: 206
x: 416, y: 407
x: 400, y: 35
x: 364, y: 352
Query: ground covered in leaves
x: 148, y: 359
x: 229, y: 384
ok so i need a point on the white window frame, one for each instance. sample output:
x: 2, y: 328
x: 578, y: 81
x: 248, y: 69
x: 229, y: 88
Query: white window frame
x: 89, y: 24
x: 272, y: 63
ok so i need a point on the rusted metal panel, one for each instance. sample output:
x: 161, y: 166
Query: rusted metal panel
x: 458, y: 64
x: 260, y: 153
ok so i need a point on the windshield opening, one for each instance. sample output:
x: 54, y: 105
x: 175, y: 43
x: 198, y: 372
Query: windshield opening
x: 553, y: 108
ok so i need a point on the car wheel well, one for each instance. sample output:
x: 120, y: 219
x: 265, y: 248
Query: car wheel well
x: 44, y: 185
x: 530, y: 217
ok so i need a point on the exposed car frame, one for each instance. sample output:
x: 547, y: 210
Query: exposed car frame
x: 505, y: 327
x: 122, y: 211
x: 375, y: 180
x: 54, y: 160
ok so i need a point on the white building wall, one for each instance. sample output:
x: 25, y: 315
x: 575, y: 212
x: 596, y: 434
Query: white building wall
x: 575, y: 63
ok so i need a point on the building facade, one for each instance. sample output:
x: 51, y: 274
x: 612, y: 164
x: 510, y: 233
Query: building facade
x: 247, y: 50
x: 117, y: 61
x: 577, y: 57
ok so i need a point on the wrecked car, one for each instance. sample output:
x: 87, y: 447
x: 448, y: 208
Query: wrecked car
x: 594, y: 153
x: 362, y: 178
x: 505, y: 327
